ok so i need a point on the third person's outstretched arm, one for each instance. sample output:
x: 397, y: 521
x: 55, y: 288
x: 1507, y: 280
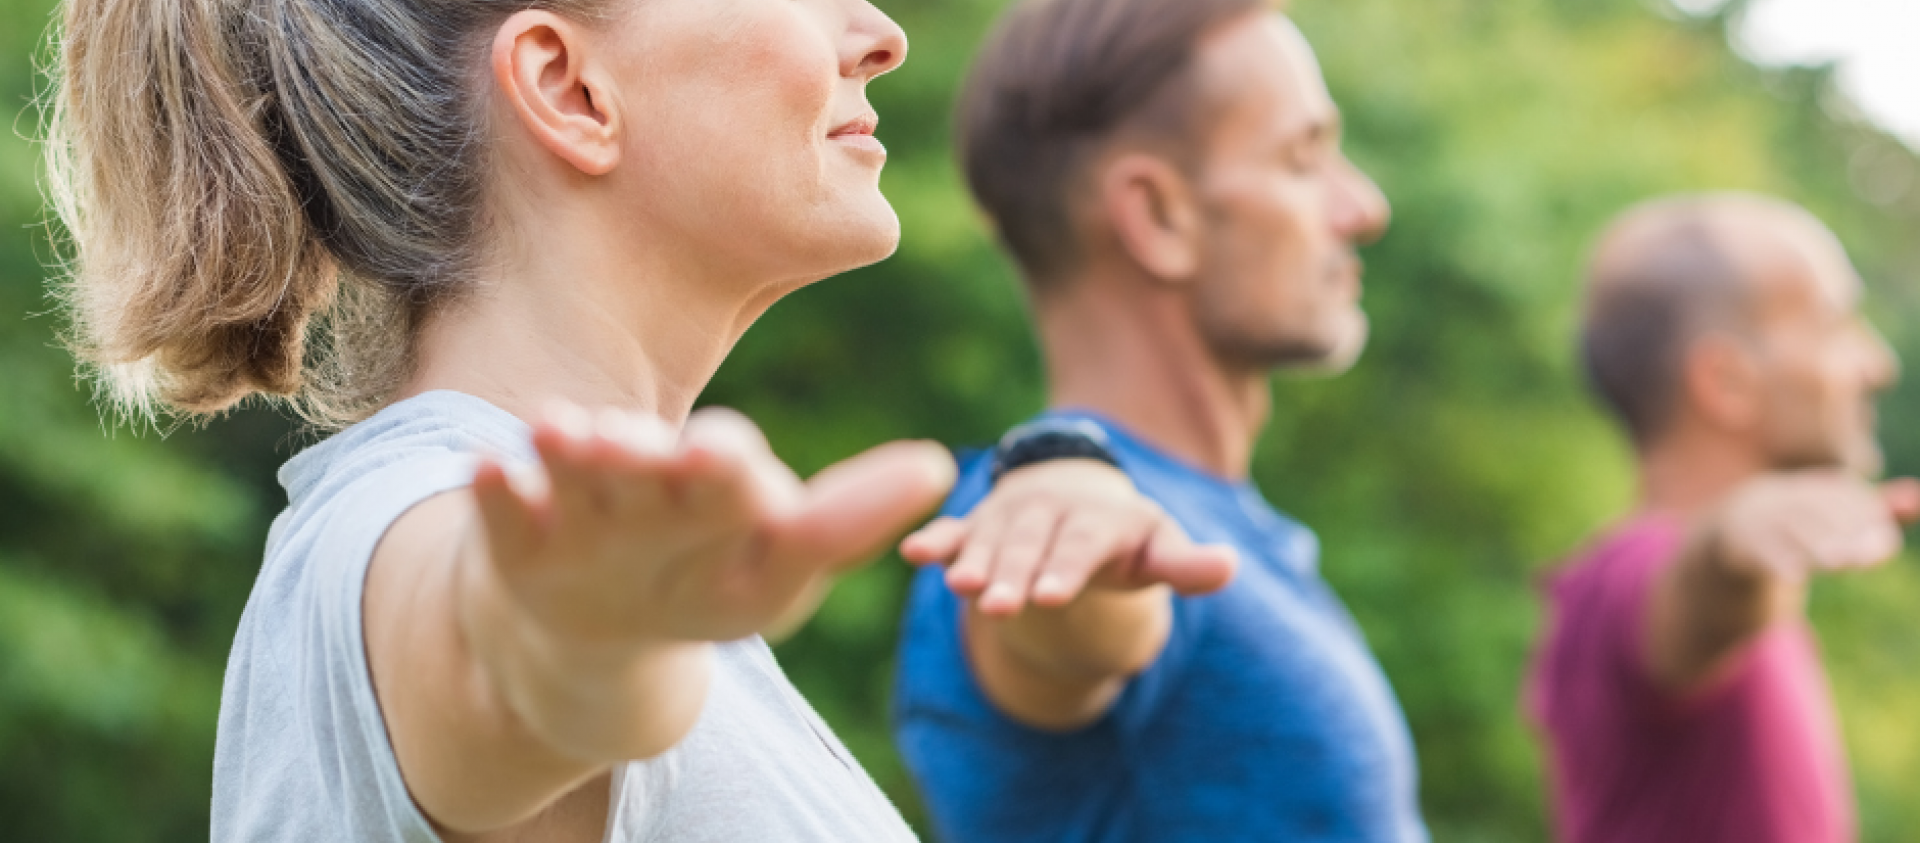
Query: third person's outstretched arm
x: 1746, y: 566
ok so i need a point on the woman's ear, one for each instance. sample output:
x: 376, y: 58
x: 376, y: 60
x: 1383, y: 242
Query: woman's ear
x: 562, y: 98
x: 1722, y: 382
x: 1154, y: 214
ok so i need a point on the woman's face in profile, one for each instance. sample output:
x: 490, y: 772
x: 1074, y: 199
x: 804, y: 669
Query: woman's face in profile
x: 749, y: 135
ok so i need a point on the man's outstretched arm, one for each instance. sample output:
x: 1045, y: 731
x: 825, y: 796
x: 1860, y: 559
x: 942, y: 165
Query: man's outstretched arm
x: 1069, y: 573
x: 1746, y: 565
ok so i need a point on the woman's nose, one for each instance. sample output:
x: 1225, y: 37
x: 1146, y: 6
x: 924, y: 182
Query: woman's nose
x: 874, y: 44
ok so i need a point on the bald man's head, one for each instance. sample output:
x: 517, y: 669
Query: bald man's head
x: 1669, y: 272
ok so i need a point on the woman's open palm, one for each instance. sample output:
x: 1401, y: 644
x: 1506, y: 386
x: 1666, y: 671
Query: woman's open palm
x: 636, y: 533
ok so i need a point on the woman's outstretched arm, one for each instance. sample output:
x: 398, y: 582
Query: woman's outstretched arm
x: 528, y: 633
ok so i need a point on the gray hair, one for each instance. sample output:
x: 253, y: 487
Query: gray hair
x: 1665, y: 274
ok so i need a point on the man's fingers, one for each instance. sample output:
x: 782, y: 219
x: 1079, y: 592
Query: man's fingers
x: 852, y: 511
x: 935, y: 543
x: 1084, y: 545
x: 1903, y: 499
x: 1856, y: 529
x: 1161, y: 554
x: 1871, y: 540
x: 1020, y: 551
x: 1881, y: 543
x: 1189, y: 568
x: 973, y: 568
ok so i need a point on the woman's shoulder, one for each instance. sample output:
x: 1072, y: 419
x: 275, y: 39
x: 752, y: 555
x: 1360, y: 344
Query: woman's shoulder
x: 426, y: 427
x: 298, y: 669
x: 347, y: 492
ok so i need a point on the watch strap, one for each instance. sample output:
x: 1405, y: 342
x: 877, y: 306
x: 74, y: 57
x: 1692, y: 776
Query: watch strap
x: 1048, y: 440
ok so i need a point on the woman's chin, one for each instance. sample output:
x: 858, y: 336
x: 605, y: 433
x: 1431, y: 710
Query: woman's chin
x: 871, y: 236
x: 837, y: 238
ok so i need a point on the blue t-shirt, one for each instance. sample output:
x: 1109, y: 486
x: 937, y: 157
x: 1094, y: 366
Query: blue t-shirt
x: 1266, y: 718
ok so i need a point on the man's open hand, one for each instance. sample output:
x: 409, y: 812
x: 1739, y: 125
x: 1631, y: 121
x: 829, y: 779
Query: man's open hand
x: 1788, y: 527
x: 1049, y: 531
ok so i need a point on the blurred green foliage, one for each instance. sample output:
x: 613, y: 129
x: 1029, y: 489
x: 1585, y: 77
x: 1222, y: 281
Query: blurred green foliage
x: 1444, y: 474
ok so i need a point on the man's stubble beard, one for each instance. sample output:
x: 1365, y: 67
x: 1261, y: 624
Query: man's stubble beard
x: 1320, y: 357
x: 1862, y: 457
x: 1285, y: 349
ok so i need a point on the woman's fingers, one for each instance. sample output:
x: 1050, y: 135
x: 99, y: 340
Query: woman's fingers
x: 730, y: 466
x: 851, y: 512
x: 511, y: 525
x: 935, y: 543
x: 637, y: 451
x: 638, y: 436
x: 614, y: 467
x: 563, y: 439
x: 724, y: 425
x: 630, y: 504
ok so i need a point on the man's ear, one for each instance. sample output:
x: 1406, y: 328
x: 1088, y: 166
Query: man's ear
x: 1154, y: 213
x: 560, y: 96
x: 1722, y: 382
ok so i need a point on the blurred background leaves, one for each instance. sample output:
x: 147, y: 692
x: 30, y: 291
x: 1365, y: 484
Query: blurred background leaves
x: 1445, y: 474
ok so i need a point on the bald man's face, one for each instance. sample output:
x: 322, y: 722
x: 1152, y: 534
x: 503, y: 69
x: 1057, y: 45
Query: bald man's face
x: 1821, y: 362
x: 1285, y: 209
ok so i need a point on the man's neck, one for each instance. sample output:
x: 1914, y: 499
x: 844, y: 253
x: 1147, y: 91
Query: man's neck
x: 1136, y: 359
x: 1689, y: 472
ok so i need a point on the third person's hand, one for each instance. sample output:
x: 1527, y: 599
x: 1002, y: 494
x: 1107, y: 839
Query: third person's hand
x: 1790, y: 526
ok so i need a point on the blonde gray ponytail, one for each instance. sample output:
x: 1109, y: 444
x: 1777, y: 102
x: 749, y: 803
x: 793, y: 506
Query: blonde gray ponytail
x: 265, y: 196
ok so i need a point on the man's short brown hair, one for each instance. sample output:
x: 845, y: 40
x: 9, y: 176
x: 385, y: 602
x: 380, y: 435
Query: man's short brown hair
x: 1056, y: 82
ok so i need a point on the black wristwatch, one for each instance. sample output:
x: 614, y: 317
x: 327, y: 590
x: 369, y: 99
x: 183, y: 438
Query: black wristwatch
x: 1048, y: 440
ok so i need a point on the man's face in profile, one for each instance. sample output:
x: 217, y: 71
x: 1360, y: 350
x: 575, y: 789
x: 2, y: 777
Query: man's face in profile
x: 1821, y: 362
x: 1285, y: 209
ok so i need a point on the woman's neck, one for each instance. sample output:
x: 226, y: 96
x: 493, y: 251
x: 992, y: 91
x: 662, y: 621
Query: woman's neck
x: 622, y: 326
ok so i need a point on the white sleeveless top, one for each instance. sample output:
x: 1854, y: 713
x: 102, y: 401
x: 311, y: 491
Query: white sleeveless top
x: 302, y: 753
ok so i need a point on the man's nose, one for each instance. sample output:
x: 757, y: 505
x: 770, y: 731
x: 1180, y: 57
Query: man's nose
x: 1883, y: 364
x: 1361, y: 212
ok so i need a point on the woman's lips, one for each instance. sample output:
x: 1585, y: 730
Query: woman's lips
x: 865, y: 143
x: 858, y: 134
